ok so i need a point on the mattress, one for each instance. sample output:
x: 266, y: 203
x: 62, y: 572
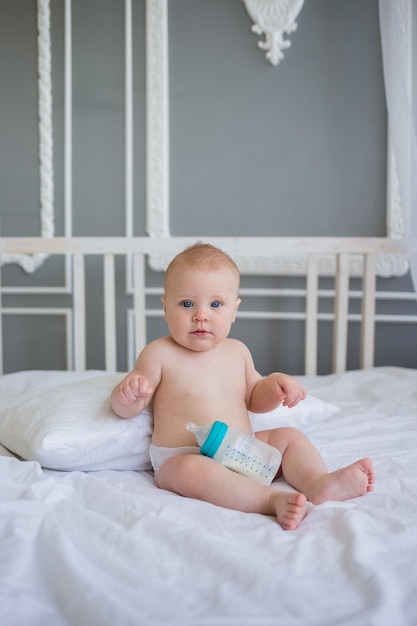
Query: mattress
x: 108, y: 547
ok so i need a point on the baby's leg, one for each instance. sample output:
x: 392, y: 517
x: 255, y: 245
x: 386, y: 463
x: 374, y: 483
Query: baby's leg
x: 304, y: 469
x: 197, y: 476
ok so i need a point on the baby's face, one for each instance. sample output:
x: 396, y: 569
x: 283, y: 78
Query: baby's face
x: 200, y: 306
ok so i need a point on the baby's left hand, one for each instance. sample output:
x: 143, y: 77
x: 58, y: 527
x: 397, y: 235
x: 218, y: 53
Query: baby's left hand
x: 288, y: 390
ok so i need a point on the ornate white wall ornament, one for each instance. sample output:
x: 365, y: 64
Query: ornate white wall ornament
x: 273, y: 19
x: 46, y: 157
x: 46, y: 172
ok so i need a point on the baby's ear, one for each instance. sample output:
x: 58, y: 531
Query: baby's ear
x: 164, y: 304
x: 238, y: 301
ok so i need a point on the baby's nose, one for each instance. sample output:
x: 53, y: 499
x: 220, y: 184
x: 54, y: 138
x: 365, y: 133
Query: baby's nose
x: 200, y: 315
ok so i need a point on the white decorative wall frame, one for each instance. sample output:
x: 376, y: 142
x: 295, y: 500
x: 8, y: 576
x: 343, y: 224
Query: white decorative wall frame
x: 273, y: 19
x: 158, y: 148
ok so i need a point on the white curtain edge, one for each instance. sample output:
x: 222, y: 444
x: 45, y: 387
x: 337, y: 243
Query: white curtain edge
x: 398, y: 27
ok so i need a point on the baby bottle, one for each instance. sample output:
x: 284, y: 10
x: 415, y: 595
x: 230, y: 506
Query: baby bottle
x: 237, y: 450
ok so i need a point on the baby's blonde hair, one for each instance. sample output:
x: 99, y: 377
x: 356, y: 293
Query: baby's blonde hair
x: 203, y: 256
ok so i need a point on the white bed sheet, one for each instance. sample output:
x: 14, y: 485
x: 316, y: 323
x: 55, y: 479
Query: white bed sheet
x: 109, y: 548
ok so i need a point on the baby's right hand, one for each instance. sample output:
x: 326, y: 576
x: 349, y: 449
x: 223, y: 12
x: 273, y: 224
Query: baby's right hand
x: 133, y: 388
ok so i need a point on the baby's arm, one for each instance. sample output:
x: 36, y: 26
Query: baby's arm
x: 273, y: 390
x: 136, y: 389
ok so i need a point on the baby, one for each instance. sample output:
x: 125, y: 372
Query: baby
x: 197, y: 373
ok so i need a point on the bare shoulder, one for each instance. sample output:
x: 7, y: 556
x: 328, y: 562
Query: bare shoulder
x: 152, y: 358
x: 155, y: 348
x: 237, y: 346
x: 242, y: 350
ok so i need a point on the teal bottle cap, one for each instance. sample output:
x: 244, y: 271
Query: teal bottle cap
x: 214, y: 439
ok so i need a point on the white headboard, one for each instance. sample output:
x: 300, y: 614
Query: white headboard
x: 342, y: 258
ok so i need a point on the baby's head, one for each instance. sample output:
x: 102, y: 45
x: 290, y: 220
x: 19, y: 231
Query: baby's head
x: 201, y: 296
x: 203, y: 257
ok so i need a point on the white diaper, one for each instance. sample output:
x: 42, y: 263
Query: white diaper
x: 159, y: 454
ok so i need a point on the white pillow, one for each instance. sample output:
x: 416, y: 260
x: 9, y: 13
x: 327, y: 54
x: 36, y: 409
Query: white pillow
x: 306, y: 413
x: 70, y: 425
x: 64, y: 421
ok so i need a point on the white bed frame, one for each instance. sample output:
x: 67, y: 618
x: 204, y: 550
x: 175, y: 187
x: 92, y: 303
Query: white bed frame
x: 309, y: 257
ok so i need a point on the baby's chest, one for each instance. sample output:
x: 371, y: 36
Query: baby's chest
x: 205, y: 378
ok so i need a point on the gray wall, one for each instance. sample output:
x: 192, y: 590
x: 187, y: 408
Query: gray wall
x: 297, y: 149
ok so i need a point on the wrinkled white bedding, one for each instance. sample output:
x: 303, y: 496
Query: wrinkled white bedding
x: 108, y: 548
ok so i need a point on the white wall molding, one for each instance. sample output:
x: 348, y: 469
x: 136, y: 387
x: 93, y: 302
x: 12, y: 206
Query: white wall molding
x: 273, y: 19
x: 46, y: 167
x: 157, y: 118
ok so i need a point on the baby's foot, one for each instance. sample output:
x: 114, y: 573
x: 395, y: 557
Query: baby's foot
x: 349, y: 482
x: 289, y: 508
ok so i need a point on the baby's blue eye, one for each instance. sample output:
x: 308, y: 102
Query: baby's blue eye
x: 216, y: 304
x: 187, y: 304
